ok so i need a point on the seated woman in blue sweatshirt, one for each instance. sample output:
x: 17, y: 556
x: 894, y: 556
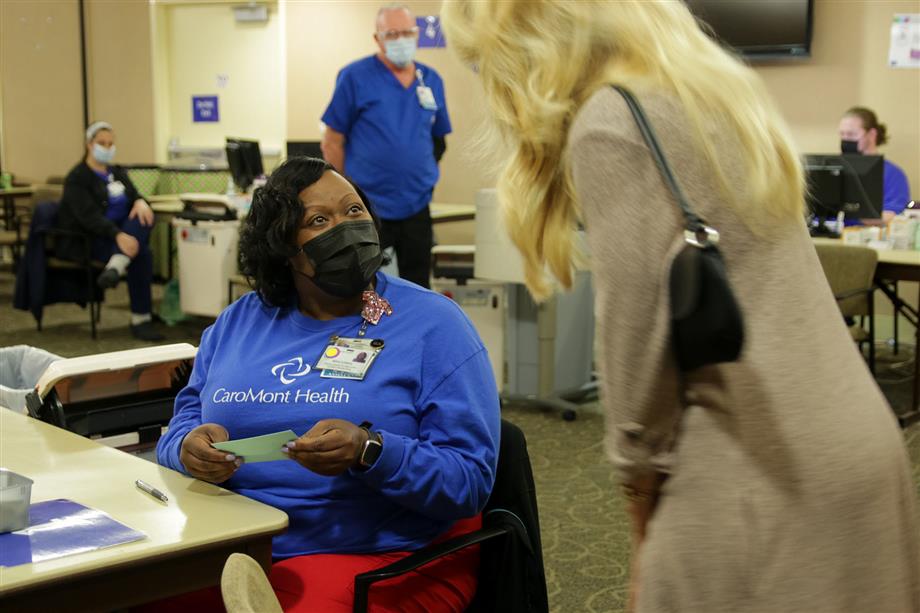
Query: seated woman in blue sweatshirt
x: 387, y: 384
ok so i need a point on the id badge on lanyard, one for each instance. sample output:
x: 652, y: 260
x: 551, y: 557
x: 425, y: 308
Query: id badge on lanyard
x: 425, y: 95
x: 115, y: 188
x: 348, y: 358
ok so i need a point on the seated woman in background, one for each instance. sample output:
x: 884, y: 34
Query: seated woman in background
x: 397, y: 447
x: 100, y: 200
x: 861, y: 132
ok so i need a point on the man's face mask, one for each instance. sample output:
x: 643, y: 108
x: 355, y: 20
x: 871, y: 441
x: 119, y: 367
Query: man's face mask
x: 345, y: 258
x: 103, y: 155
x: 400, y: 51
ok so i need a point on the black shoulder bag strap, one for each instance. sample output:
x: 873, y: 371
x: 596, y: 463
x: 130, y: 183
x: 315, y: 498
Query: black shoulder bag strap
x: 706, y: 322
x: 697, y: 232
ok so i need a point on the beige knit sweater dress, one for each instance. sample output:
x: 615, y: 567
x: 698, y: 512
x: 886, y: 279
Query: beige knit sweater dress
x: 789, y: 488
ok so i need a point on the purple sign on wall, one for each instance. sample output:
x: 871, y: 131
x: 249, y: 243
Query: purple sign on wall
x: 429, y: 32
x: 204, y: 108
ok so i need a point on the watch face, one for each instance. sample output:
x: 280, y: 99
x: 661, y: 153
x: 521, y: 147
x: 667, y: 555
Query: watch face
x: 371, y: 452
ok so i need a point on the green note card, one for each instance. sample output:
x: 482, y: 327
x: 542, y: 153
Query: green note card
x: 265, y: 448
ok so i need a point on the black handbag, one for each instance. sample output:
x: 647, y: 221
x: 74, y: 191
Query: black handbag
x: 706, y: 322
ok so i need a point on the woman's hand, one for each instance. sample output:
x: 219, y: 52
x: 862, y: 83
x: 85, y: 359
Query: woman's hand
x: 330, y: 447
x: 203, y: 461
x: 127, y: 244
x: 641, y: 500
x: 142, y: 211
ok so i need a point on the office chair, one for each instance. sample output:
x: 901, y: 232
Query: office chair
x: 850, y: 271
x: 511, y: 575
x: 44, y: 279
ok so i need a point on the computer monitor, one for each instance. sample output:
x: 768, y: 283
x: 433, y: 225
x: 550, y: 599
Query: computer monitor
x: 245, y: 161
x: 850, y: 184
x: 308, y: 148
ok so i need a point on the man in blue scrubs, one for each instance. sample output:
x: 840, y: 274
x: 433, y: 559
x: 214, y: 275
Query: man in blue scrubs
x: 385, y: 128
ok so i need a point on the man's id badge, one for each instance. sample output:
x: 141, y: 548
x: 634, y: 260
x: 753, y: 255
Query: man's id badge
x: 426, y: 98
x: 348, y: 358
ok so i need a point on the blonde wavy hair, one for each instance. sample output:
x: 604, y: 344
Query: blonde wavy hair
x: 540, y: 60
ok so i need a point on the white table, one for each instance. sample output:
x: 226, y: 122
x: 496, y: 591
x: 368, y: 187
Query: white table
x: 188, y: 538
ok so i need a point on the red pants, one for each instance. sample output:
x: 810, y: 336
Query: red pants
x: 324, y: 583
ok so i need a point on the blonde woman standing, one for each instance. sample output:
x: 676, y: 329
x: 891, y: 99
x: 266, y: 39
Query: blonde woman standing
x: 778, y: 482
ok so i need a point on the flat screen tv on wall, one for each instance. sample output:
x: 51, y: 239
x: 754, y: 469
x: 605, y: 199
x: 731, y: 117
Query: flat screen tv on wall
x: 759, y: 29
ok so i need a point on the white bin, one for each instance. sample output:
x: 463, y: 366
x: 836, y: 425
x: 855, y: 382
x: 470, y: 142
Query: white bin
x: 207, y: 259
x: 485, y: 303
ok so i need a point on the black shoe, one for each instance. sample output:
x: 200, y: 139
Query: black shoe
x: 108, y: 278
x: 146, y: 332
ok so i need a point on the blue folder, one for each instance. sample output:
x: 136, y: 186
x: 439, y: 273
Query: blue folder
x: 59, y: 528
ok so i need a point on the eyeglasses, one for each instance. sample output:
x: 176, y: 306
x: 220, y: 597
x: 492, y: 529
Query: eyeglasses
x: 397, y: 34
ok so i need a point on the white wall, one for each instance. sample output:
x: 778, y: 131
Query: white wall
x: 42, y: 96
x: 849, y: 67
x: 204, y: 41
x: 120, y: 74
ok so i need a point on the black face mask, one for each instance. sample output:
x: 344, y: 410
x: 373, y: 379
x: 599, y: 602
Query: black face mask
x: 345, y: 258
x: 849, y: 146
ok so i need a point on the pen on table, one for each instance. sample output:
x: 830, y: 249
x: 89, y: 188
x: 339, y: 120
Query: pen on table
x: 151, y: 490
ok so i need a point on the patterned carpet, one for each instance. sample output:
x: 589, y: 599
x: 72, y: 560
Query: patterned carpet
x: 585, y: 530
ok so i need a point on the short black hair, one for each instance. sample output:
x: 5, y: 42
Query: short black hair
x: 268, y: 235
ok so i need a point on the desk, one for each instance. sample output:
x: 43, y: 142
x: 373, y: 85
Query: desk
x: 9, y: 196
x: 443, y: 212
x: 903, y: 265
x: 189, y: 538
x: 11, y: 235
x: 168, y: 206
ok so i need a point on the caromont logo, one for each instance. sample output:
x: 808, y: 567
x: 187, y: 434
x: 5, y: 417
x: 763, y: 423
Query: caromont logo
x: 290, y: 370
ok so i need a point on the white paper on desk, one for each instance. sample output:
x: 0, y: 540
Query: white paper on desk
x: 904, y: 50
x: 265, y: 448
x: 880, y: 245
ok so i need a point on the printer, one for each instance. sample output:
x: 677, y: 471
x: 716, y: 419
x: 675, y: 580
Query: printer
x: 122, y: 399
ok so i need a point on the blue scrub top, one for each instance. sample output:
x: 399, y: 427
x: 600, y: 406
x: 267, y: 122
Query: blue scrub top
x: 389, y: 150
x: 118, y: 208
x: 897, y: 188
